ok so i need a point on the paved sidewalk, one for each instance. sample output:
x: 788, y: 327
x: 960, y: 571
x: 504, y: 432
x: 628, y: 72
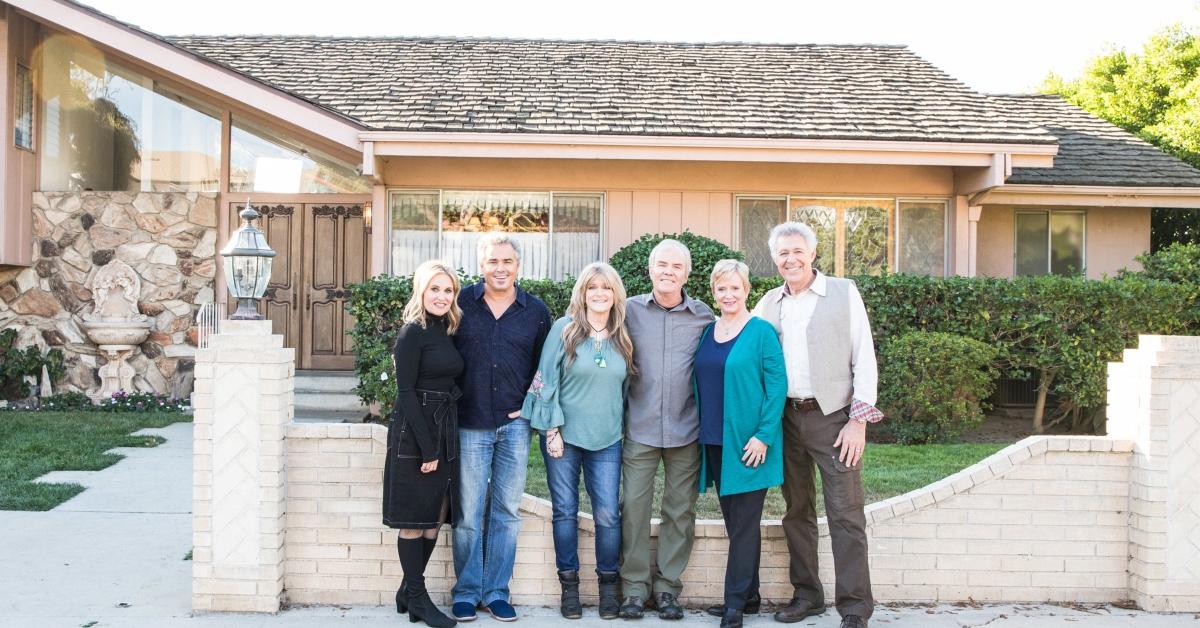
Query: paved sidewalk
x: 112, y: 557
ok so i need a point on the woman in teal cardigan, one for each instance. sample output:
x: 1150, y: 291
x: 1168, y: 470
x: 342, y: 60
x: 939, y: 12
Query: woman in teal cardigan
x: 741, y: 386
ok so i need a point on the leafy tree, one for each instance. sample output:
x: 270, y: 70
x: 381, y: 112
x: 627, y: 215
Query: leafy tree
x: 1154, y: 95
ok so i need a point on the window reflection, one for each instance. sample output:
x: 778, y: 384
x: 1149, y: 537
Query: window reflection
x: 109, y: 128
x: 265, y: 161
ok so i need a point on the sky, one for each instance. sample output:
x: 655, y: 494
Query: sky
x: 999, y: 46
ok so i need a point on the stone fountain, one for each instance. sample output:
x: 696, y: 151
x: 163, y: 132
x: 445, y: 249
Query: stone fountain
x: 115, y: 325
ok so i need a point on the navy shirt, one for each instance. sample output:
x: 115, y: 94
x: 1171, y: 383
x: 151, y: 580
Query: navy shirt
x: 500, y: 356
x: 710, y: 383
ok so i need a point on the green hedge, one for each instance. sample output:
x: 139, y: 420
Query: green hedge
x: 377, y: 306
x: 633, y: 260
x: 934, y: 385
x: 1176, y: 263
x: 1060, y: 330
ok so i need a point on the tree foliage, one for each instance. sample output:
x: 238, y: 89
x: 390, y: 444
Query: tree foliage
x: 1154, y: 94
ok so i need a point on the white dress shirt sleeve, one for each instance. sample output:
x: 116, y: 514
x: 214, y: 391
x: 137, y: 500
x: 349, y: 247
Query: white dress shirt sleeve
x: 864, y: 366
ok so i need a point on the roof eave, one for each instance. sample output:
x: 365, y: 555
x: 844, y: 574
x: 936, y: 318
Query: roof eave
x: 684, y: 148
x: 1090, y: 196
x: 193, y: 68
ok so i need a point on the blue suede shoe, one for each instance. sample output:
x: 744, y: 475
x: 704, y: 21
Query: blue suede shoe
x: 463, y: 611
x: 502, y: 611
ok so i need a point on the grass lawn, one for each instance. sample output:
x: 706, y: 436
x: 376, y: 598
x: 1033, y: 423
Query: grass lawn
x: 888, y: 470
x: 35, y: 443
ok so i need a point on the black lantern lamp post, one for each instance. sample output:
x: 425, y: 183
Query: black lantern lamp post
x: 247, y: 266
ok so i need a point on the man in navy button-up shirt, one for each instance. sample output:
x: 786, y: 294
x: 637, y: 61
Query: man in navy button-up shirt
x: 500, y: 339
x: 501, y: 354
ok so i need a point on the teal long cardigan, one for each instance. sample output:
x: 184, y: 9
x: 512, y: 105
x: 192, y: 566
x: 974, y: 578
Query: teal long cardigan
x: 755, y: 392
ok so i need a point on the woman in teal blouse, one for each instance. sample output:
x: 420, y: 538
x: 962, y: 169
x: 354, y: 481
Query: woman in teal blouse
x: 577, y: 402
x: 741, y: 386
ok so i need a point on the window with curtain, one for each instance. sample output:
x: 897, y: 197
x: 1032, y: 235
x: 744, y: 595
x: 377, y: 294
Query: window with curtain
x: 109, y: 128
x: 921, y: 238
x: 262, y: 160
x: 1049, y: 242
x: 559, y: 233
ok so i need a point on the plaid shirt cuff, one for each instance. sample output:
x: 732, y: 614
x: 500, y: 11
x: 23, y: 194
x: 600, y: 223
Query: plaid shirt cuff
x: 865, y: 411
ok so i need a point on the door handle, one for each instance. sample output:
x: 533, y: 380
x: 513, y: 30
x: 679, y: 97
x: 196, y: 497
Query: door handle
x: 307, y: 300
x: 295, y: 289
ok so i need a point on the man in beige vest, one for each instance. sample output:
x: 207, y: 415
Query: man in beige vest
x: 832, y: 381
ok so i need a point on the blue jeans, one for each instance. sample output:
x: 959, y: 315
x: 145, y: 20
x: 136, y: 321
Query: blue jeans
x: 602, y: 478
x: 498, y: 458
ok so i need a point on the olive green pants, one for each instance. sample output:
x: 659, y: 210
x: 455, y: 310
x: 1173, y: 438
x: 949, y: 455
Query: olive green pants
x: 639, y: 464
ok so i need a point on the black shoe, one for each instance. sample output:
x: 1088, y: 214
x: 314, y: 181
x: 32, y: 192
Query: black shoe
x: 753, y: 605
x: 633, y: 607
x: 610, y: 604
x: 569, y: 604
x: 668, y: 606
x: 402, y: 597
x: 421, y: 608
x: 798, y: 609
x: 853, y: 621
x: 732, y: 618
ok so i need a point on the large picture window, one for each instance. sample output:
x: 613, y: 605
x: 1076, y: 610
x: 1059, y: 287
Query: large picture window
x: 855, y: 236
x: 109, y: 128
x: 1050, y: 242
x: 261, y: 160
x: 559, y: 233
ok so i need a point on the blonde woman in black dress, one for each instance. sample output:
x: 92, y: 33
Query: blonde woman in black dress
x: 420, y: 474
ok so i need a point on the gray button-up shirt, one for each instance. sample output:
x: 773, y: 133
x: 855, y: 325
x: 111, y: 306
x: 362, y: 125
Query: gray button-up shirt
x: 661, y: 410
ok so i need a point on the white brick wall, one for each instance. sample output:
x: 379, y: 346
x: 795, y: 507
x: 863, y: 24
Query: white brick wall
x: 1087, y: 519
x: 1051, y: 526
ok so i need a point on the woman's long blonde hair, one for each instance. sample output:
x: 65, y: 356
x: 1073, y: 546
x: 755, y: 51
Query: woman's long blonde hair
x: 414, y: 311
x: 578, y: 329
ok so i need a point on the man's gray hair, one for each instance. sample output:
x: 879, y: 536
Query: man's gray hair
x: 496, y: 238
x: 792, y: 228
x: 672, y: 244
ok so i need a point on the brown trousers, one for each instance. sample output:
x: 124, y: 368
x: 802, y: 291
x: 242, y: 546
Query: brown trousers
x: 808, y: 437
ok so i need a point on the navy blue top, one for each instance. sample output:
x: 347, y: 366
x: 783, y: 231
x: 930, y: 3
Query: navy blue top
x: 500, y: 356
x: 710, y: 385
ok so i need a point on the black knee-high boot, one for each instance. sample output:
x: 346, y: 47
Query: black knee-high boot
x: 402, y: 593
x: 412, y: 554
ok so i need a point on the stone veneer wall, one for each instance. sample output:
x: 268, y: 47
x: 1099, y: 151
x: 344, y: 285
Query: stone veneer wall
x: 170, y: 241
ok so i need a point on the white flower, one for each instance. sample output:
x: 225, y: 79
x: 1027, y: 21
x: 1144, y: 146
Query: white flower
x: 383, y: 376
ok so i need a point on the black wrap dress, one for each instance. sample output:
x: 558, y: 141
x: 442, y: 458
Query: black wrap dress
x: 423, y: 428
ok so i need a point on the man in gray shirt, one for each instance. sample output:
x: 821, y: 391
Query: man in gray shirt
x: 661, y: 424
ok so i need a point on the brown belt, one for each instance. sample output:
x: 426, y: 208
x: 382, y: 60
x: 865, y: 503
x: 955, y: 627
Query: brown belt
x: 803, y: 405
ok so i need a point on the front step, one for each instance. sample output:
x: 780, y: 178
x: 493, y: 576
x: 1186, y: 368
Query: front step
x: 327, y: 396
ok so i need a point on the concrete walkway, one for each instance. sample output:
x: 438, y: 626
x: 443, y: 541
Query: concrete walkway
x: 113, y: 557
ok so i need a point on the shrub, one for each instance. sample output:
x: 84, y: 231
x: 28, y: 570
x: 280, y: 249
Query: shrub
x: 122, y: 401
x: 377, y: 306
x: 66, y: 402
x: 1177, y: 263
x: 16, y: 364
x: 932, y: 385
x: 633, y: 260
x: 1060, y: 330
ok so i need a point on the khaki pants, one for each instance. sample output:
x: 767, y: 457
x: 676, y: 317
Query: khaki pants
x: 639, y: 464
x: 808, y: 437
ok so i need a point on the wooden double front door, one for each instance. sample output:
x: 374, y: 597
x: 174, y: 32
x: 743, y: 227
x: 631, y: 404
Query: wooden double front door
x: 321, y: 248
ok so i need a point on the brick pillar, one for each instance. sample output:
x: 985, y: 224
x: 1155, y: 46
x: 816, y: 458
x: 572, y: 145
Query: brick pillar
x: 242, y: 401
x: 1154, y: 400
